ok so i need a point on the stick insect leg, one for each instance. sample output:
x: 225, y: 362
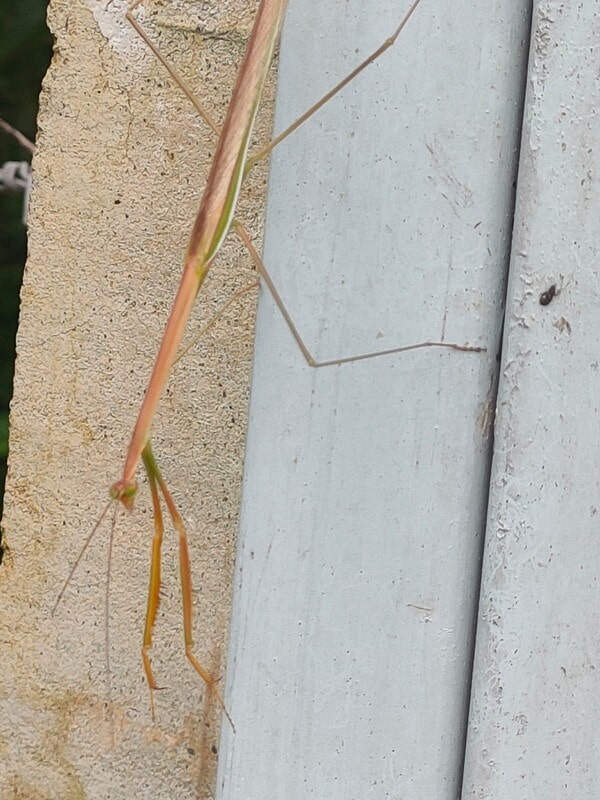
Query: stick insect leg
x: 389, y: 42
x: 264, y: 151
x: 310, y: 360
x: 155, y: 575
x: 213, y: 320
x: 170, y: 69
x: 186, y: 579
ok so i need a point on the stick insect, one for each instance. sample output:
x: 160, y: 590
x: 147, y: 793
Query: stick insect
x: 215, y: 219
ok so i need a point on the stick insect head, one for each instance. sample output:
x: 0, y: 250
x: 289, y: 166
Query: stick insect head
x: 124, y: 492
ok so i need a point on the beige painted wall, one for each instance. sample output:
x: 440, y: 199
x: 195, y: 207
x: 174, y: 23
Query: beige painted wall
x: 121, y: 161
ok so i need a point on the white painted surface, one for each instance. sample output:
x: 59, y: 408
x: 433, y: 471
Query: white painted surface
x: 366, y: 485
x: 536, y: 699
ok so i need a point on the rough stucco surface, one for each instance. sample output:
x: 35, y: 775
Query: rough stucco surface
x: 121, y: 161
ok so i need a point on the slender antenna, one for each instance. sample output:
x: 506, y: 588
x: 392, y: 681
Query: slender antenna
x: 79, y: 558
x: 111, y: 538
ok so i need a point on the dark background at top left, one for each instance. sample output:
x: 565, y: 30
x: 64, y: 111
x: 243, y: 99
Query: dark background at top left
x: 25, y: 50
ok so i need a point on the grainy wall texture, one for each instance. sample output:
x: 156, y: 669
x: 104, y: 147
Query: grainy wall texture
x: 121, y: 160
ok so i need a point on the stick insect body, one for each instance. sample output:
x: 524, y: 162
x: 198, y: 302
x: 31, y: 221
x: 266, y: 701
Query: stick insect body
x: 214, y: 220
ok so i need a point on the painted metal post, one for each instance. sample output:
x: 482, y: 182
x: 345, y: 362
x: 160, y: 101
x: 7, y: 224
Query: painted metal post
x: 366, y: 485
x: 536, y: 701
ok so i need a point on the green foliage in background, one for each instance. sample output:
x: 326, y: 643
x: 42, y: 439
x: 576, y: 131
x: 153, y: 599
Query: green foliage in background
x: 25, y: 49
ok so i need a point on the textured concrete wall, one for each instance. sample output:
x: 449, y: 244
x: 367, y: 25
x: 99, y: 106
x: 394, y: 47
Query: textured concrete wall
x: 121, y: 160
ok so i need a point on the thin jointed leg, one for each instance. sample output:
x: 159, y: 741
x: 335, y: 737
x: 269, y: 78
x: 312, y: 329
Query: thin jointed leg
x: 310, y: 360
x: 217, y: 316
x: 158, y: 483
x: 170, y: 69
x: 155, y: 575
x: 389, y: 42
